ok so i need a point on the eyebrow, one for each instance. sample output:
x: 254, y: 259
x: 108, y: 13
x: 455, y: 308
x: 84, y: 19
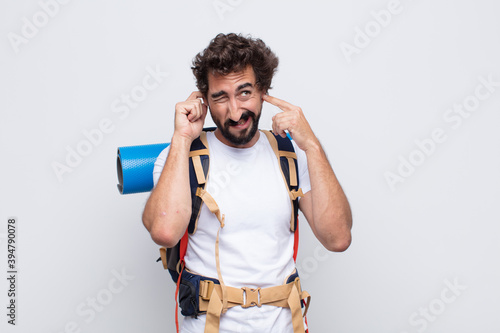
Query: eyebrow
x: 243, y: 86
x: 218, y: 94
x: 222, y: 92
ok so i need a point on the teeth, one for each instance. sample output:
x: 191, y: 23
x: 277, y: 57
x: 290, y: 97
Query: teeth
x: 241, y: 122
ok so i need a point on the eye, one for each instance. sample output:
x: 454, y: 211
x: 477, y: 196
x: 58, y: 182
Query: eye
x: 220, y: 99
x: 245, y: 94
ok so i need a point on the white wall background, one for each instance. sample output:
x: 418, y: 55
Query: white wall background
x: 435, y: 227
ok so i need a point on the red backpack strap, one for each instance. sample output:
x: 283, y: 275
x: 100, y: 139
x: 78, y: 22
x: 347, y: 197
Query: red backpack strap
x: 182, y: 252
x: 296, y: 241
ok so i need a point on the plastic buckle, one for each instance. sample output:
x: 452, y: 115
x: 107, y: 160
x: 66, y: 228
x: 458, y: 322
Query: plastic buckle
x: 251, y: 297
x: 199, y: 191
x: 208, y: 287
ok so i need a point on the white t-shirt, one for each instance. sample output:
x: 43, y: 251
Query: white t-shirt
x: 256, y: 244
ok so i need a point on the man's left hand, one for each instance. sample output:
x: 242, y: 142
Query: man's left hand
x: 293, y: 120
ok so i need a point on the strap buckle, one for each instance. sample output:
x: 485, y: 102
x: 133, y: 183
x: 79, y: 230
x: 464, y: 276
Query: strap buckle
x: 294, y: 194
x: 251, y: 297
x: 206, y: 289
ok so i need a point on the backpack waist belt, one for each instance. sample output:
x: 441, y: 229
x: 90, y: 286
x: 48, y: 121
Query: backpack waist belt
x: 288, y: 295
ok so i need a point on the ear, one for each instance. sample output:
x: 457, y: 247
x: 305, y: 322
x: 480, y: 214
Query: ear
x: 262, y: 95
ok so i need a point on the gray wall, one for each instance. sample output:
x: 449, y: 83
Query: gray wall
x: 404, y: 95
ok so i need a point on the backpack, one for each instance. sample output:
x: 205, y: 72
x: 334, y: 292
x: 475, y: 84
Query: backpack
x: 199, y: 162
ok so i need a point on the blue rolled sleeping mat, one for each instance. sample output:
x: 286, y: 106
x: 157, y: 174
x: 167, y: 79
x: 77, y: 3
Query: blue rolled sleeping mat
x: 135, y: 165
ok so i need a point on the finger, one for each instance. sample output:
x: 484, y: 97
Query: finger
x: 284, y: 120
x: 285, y: 106
x: 191, y: 114
x: 286, y: 116
x: 204, y: 111
x: 278, y: 128
x: 194, y: 95
x: 200, y: 111
x: 194, y: 110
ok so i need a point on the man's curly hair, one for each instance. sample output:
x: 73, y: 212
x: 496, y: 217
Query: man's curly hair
x: 233, y: 53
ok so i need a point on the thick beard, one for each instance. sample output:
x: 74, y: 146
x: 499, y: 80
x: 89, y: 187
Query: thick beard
x: 246, y: 136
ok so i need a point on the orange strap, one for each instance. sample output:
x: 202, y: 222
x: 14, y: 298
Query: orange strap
x: 177, y: 301
x: 211, y: 204
x: 163, y: 256
x: 180, y: 268
x: 288, y: 296
x: 198, y: 169
x: 218, y: 305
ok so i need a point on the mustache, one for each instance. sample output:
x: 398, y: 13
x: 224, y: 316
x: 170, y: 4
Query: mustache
x: 244, y: 117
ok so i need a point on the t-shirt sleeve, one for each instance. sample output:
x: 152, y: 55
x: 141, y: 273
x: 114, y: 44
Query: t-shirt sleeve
x: 159, y: 164
x: 304, y: 181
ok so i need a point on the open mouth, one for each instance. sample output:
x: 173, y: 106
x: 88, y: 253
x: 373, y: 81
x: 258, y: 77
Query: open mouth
x: 242, y: 123
x: 242, y: 131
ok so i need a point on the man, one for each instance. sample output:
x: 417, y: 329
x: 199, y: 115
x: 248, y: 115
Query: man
x: 255, y: 247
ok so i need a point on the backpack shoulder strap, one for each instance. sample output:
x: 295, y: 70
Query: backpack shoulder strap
x: 199, y: 163
x: 287, y: 159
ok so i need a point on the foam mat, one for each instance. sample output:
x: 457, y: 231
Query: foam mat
x: 135, y: 165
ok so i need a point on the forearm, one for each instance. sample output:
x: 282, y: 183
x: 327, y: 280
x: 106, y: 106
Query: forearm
x: 325, y: 206
x: 168, y: 209
x: 330, y: 210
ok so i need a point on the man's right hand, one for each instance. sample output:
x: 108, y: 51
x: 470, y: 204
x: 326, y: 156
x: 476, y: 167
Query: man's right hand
x: 190, y: 116
x: 168, y: 209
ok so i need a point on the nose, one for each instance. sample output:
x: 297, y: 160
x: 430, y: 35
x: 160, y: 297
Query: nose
x: 234, y: 110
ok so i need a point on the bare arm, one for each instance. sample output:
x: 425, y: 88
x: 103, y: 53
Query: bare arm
x: 325, y: 206
x: 168, y: 209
